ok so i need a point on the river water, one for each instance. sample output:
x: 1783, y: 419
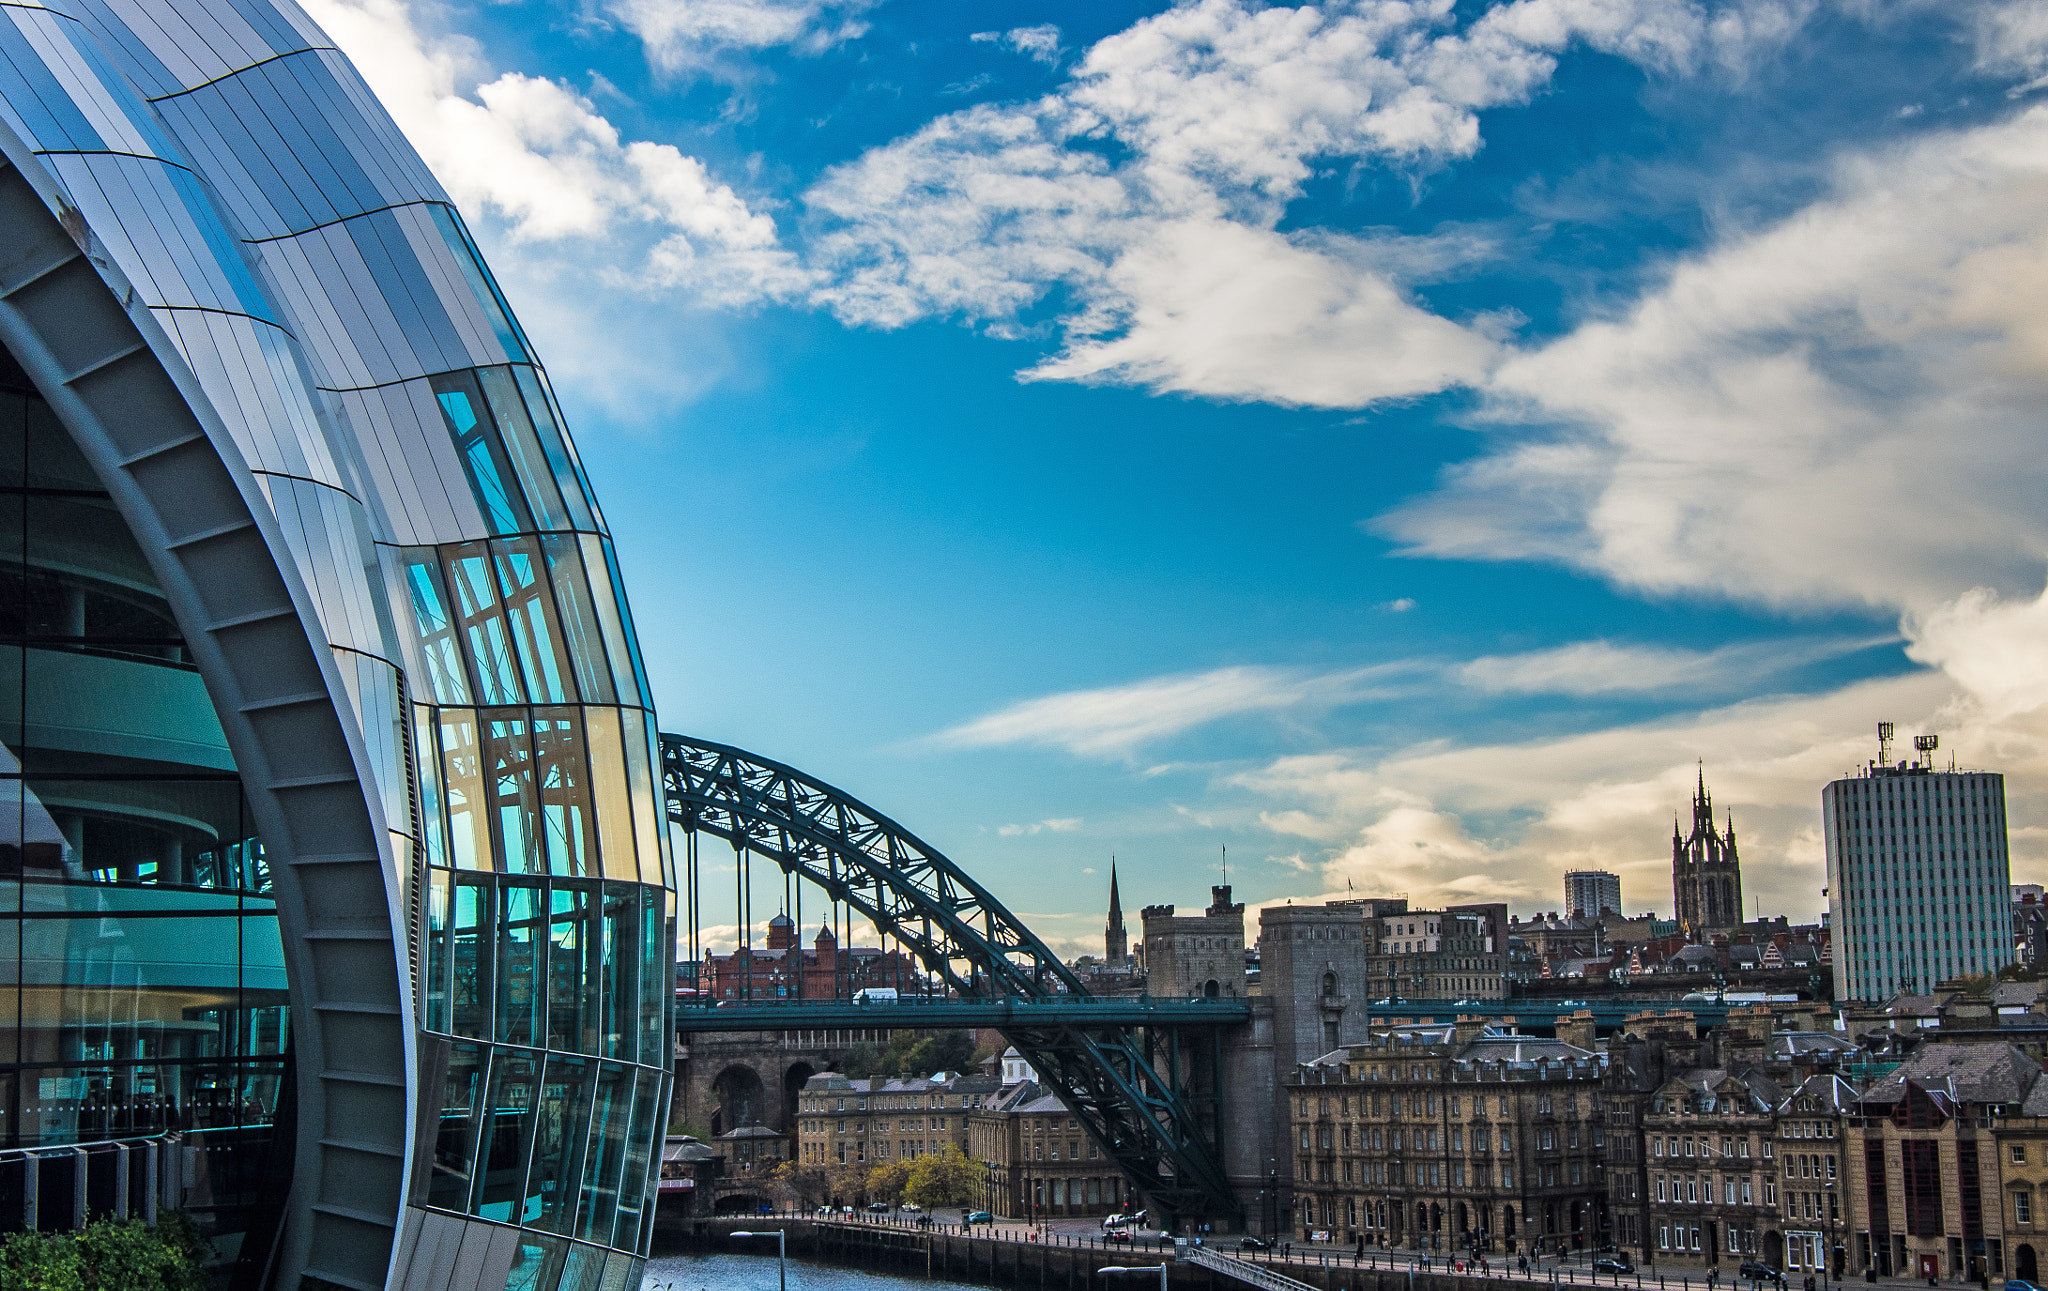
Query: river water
x: 757, y: 1273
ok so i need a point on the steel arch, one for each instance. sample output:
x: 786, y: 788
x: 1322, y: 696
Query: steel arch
x: 957, y: 929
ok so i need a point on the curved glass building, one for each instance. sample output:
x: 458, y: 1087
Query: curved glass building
x: 331, y: 854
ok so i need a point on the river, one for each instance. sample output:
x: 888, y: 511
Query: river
x: 757, y: 1273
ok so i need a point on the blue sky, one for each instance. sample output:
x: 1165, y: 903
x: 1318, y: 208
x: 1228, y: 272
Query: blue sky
x: 1395, y: 441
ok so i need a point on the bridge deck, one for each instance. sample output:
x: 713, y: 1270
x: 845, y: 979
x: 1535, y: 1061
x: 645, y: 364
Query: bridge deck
x: 1110, y: 1011
x: 1125, y: 1010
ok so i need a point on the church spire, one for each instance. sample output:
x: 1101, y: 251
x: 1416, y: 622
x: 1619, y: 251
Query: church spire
x: 1115, y: 942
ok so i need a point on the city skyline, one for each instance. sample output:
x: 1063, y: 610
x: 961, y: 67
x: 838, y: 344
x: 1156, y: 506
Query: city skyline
x: 1455, y: 621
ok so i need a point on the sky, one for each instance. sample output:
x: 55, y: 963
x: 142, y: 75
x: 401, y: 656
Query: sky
x: 1385, y: 447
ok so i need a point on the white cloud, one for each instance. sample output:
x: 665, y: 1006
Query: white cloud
x: 1041, y: 44
x: 1605, y: 668
x: 1113, y: 720
x: 694, y: 35
x: 1842, y: 409
x: 2012, y: 40
x: 537, y: 158
x: 1399, y: 605
x: 1061, y: 825
x: 1148, y: 191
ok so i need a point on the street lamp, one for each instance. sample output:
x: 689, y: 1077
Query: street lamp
x: 781, y: 1253
x: 1142, y: 1268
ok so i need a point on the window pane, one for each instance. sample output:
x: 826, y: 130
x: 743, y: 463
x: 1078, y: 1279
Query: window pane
x: 427, y: 763
x: 530, y: 615
x: 448, y: 1186
x: 582, y: 635
x: 522, y: 938
x: 567, y: 826
x: 440, y: 948
x: 469, y: 809
x: 610, y: 790
x: 515, y: 799
x: 484, y: 633
x: 435, y: 620
x: 622, y: 970
x: 573, y: 976
x: 507, y: 1135
x: 483, y: 455
x: 643, y: 1133
x: 603, y: 1156
x: 523, y: 449
x: 471, y: 971
x: 626, y: 617
x: 657, y: 977
x: 605, y: 602
x: 559, y: 1141
x: 641, y: 759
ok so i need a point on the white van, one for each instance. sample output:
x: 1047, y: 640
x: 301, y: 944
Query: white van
x: 875, y: 994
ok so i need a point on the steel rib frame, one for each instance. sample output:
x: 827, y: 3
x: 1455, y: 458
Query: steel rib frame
x: 907, y: 887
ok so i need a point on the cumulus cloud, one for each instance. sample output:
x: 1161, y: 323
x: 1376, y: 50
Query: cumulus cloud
x: 537, y: 158
x: 696, y: 35
x: 1842, y: 409
x: 1147, y: 193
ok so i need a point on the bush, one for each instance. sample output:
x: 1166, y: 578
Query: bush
x: 108, y: 1255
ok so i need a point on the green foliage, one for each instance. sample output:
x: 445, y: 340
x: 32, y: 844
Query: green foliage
x: 949, y: 1178
x: 108, y: 1255
x: 859, y: 1062
x: 887, y: 1182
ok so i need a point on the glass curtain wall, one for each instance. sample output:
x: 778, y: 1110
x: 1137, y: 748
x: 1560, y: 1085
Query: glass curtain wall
x: 142, y: 984
x: 547, y: 895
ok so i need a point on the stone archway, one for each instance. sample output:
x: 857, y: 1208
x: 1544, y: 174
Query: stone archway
x: 2023, y: 1262
x: 1774, y: 1249
x: 740, y: 1102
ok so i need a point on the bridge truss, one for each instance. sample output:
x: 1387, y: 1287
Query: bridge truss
x: 1161, y: 1129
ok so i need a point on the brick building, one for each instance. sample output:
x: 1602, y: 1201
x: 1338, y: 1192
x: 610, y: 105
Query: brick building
x: 784, y: 970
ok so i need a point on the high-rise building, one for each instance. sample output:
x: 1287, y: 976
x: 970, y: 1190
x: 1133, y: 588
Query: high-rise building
x: 1918, y: 875
x: 1116, y: 942
x: 333, y: 821
x: 1592, y: 893
x: 1706, y: 874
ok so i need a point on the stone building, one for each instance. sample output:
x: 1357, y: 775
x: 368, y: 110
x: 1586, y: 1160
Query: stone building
x: 1706, y: 873
x: 1922, y: 1178
x: 1450, y: 1137
x: 1312, y: 966
x: 869, y: 1122
x: 1041, y: 1163
x: 1196, y: 954
x: 1457, y: 953
x: 1710, y: 1134
x: 2023, y: 1175
x: 1810, y: 1215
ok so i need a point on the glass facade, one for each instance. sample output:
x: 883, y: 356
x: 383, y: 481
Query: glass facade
x: 142, y: 981
x: 546, y: 979
x: 309, y: 293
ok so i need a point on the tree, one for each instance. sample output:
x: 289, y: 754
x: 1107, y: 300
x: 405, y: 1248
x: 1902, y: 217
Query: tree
x: 859, y: 1062
x: 948, y: 1178
x: 887, y: 1181
x: 806, y: 1185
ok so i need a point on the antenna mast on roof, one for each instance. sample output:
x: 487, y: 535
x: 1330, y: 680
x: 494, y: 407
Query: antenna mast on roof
x: 1925, y: 745
x: 1884, y: 744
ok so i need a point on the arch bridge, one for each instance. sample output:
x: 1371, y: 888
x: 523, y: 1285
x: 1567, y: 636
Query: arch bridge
x: 1139, y: 1074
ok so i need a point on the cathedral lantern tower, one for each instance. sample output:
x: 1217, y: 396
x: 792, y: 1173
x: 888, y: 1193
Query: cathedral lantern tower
x: 1706, y: 875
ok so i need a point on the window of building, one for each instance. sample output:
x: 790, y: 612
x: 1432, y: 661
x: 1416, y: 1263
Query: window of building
x: 2023, y: 1207
x: 2019, y: 1153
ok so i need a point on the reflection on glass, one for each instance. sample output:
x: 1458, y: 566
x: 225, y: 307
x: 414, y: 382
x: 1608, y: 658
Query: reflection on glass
x: 522, y: 938
x: 572, y: 973
x: 482, y: 452
x: 604, y: 1155
x: 439, y: 948
x: 523, y: 449
x: 515, y: 803
x: 581, y: 634
x: 469, y: 825
x: 449, y: 1184
x: 565, y: 821
x: 437, y: 637
x: 612, y: 795
x: 507, y: 1138
x: 559, y: 1141
x: 642, y: 1135
x: 483, y: 624
x: 471, y: 956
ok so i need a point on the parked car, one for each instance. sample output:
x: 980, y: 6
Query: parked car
x: 846, y: 1210
x: 1615, y: 1264
x: 1117, y: 1235
x: 1758, y: 1271
x: 878, y: 1208
x: 1253, y: 1244
x: 910, y: 1208
x: 978, y: 1217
